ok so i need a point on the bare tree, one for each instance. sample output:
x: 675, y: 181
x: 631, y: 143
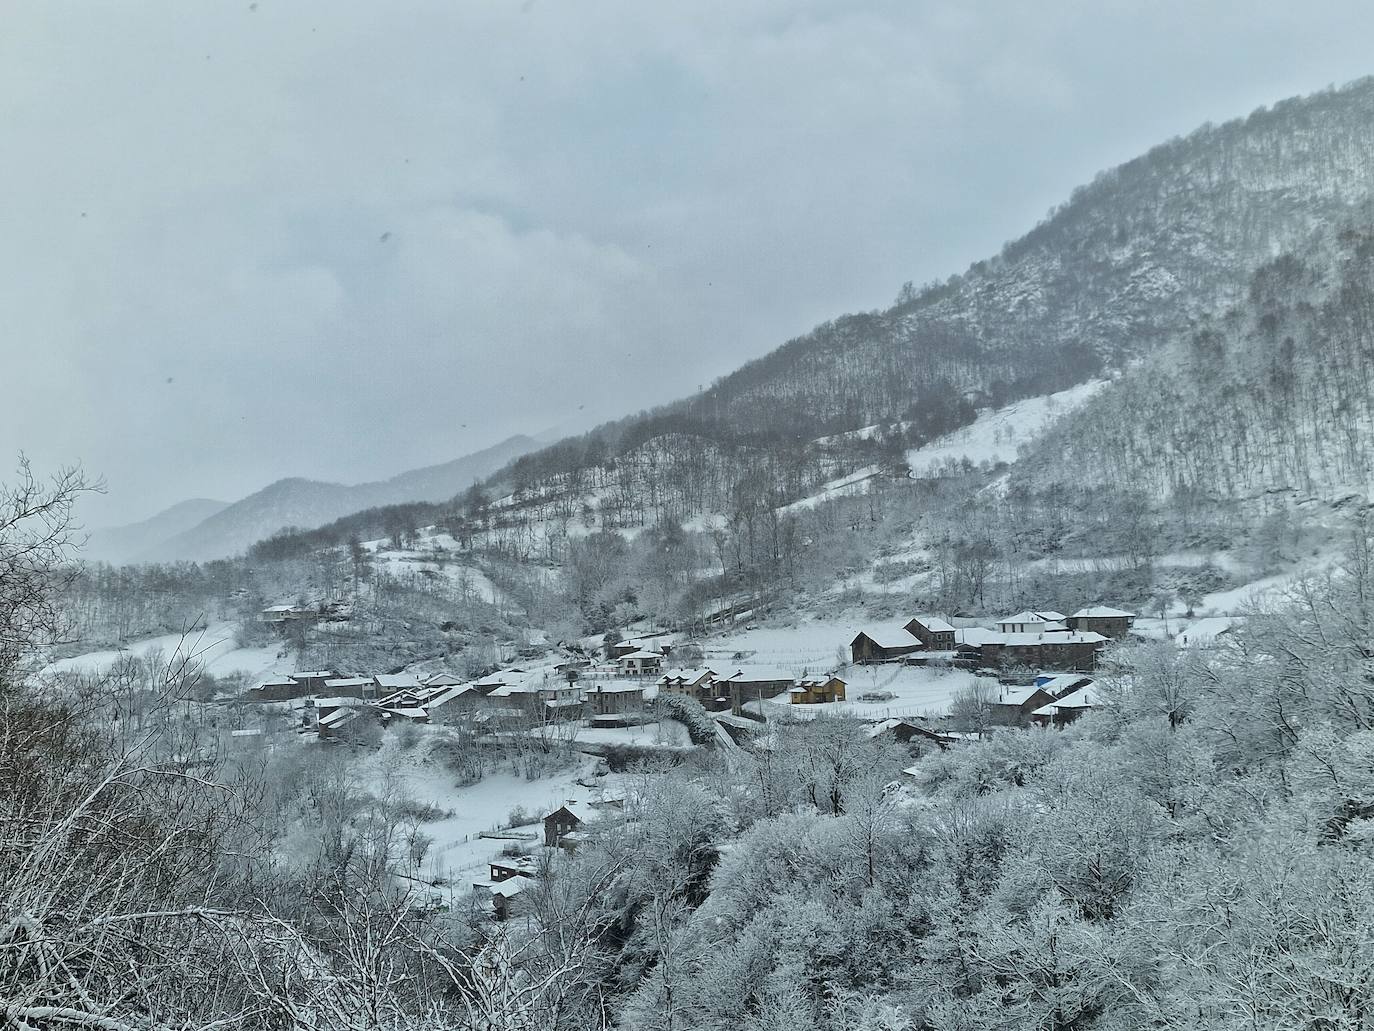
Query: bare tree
x: 38, y: 538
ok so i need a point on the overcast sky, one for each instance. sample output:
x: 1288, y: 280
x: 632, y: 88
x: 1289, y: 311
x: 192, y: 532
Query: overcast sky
x: 339, y: 239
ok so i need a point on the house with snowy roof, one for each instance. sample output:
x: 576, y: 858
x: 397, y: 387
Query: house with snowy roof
x: 933, y: 632
x: 874, y: 644
x: 1055, y: 649
x: 387, y: 682
x: 754, y: 683
x: 441, y: 679
x: 817, y: 690
x: 314, y: 680
x: 1063, y: 711
x: 1013, y: 703
x: 695, y: 682
x: 1102, y: 619
x: 563, y: 828
x: 501, y: 678
x: 1209, y: 632
x: 613, y: 699
x: 1033, y: 623
x: 277, y: 687
x: 543, y: 696
x: 641, y: 663
x: 501, y: 894
x: 356, y: 687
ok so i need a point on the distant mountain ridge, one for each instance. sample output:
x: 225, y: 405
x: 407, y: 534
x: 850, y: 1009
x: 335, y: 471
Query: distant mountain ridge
x: 119, y: 544
x: 228, y: 529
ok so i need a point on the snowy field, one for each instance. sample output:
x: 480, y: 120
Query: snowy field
x: 437, y: 555
x: 214, y: 648
x: 459, y: 853
x: 819, y: 646
x: 996, y: 435
x: 857, y: 482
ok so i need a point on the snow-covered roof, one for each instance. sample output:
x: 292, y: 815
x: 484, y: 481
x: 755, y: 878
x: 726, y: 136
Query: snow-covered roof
x: 442, y: 679
x: 444, y: 695
x: 501, y: 677
x: 616, y: 689
x: 396, y: 681
x: 976, y: 636
x: 1011, y: 695
x: 890, y: 636
x: 276, y: 680
x: 1058, y: 683
x: 687, y: 675
x: 1102, y: 612
x: 314, y: 674
x: 1048, y: 621
x: 343, y: 701
x: 1047, y: 638
x: 761, y: 675
x: 882, y: 726
x: 584, y: 811
x: 1083, y: 698
x: 339, y: 682
x: 1203, y: 633
x: 643, y: 655
x: 338, y: 717
x: 817, y: 680
x: 524, y: 687
x: 935, y: 624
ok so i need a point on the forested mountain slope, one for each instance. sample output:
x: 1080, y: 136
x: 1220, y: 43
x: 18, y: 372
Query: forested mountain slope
x: 1129, y: 263
x: 1275, y: 396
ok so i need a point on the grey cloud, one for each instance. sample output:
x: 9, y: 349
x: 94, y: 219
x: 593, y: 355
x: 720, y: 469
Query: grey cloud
x: 364, y: 237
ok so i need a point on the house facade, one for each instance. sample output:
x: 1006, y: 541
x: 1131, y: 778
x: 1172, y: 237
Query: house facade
x: 1101, y: 619
x: 756, y: 684
x: 1058, y: 651
x: 278, y: 688
x: 698, y: 683
x: 614, y: 699
x: 1063, y: 711
x: 1033, y: 623
x: 641, y: 664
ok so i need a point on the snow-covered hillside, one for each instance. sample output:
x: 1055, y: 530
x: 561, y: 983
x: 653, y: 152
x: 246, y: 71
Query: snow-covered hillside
x: 997, y: 434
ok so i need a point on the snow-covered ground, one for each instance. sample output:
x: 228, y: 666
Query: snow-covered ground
x: 459, y: 854
x: 917, y: 691
x: 214, y: 648
x: 995, y: 435
x: 436, y: 554
x: 857, y: 482
x: 671, y: 734
x: 821, y: 645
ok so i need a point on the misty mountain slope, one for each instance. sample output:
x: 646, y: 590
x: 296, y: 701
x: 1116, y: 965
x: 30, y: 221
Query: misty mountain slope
x: 309, y: 503
x: 116, y: 544
x: 1121, y: 267
x: 1127, y: 264
x: 1274, y: 396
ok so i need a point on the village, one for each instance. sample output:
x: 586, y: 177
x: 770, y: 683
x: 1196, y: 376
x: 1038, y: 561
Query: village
x: 1032, y: 668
